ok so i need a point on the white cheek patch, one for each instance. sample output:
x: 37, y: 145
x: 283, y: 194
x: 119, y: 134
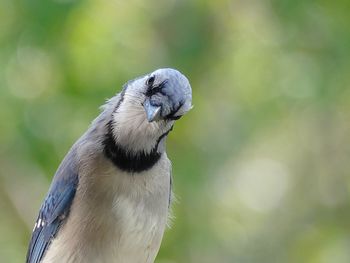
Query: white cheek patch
x: 131, y: 127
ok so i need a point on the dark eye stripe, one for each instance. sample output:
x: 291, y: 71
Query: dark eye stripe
x: 156, y: 89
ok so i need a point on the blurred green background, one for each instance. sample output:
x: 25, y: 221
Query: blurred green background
x: 261, y: 164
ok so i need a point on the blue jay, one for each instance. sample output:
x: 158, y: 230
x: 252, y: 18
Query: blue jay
x: 109, y: 199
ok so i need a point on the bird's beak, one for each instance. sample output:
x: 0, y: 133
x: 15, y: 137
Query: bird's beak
x: 152, y: 112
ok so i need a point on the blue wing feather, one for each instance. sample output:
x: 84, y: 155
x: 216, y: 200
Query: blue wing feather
x: 54, y: 209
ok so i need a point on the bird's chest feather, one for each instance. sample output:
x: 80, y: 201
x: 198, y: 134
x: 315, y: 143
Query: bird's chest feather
x: 121, y: 218
x: 140, y: 217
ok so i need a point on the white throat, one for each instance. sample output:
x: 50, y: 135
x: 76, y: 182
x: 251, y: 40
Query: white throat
x: 132, y: 129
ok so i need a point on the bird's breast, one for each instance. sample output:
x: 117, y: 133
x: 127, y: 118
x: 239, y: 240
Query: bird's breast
x: 119, y: 217
x: 140, y: 211
x: 140, y: 230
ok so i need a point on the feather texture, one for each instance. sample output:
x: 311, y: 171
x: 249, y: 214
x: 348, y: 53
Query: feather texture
x: 109, y: 199
x: 54, y: 210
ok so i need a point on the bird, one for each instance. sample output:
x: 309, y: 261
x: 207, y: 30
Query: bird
x: 110, y: 197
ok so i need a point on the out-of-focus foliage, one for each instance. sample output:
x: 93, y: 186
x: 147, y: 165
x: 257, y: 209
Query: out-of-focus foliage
x: 261, y: 164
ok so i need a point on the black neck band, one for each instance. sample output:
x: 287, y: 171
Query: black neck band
x: 126, y: 160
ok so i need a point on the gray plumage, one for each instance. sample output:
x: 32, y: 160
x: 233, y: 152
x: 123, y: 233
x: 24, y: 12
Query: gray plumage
x: 109, y: 199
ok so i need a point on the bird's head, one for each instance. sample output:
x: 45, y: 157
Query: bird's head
x: 148, y: 108
x: 168, y: 95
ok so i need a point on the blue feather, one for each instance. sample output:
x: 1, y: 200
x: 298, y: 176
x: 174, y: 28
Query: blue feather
x: 54, y: 209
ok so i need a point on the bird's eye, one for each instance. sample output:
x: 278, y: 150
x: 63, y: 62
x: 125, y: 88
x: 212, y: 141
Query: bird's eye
x: 150, y: 81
